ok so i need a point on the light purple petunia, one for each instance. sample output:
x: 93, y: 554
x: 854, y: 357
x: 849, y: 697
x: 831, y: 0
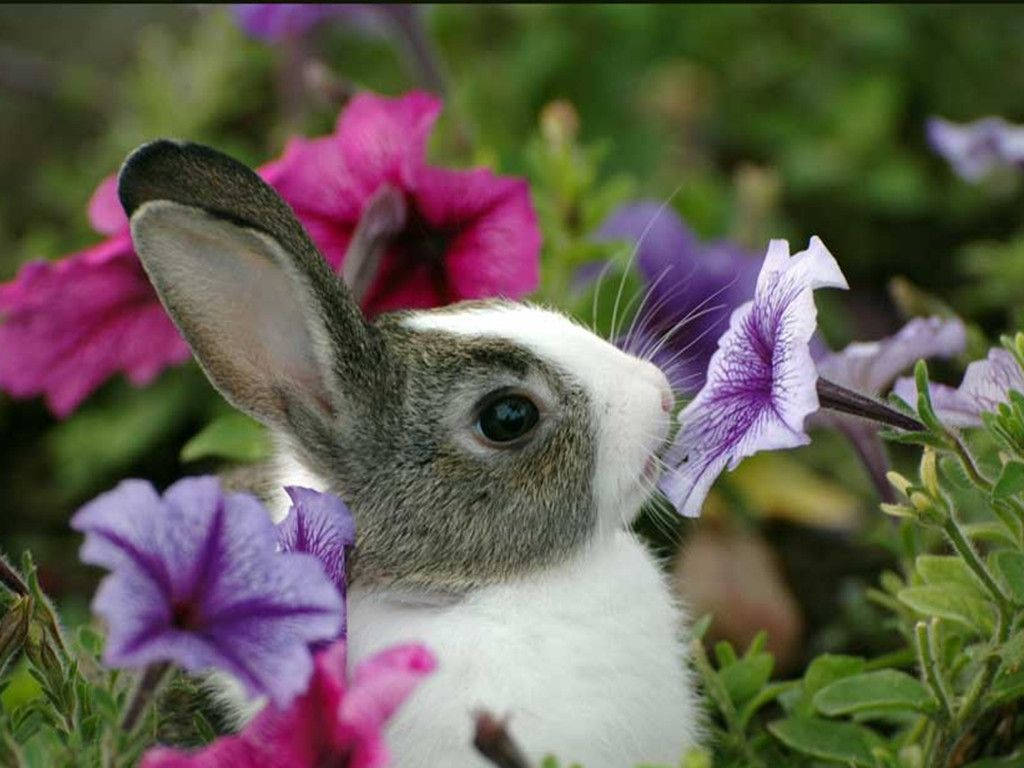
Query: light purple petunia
x: 321, y: 525
x: 196, y: 579
x: 692, y: 287
x: 976, y: 149
x: 871, y: 367
x: 761, y: 382
x: 985, y: 385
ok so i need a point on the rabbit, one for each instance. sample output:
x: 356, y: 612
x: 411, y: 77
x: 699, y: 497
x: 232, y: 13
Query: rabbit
x: 492, y: 453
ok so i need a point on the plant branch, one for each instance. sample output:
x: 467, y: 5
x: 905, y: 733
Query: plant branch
x: 492, y: 740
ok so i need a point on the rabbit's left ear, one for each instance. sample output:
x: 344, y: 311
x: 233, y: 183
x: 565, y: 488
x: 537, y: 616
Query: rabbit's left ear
x: 273, y: 327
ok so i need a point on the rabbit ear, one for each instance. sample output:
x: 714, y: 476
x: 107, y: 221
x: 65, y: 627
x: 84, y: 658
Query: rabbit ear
x: 270, y: 323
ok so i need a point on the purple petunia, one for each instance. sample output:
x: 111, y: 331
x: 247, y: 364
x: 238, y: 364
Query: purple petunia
x: 976, y: 149
x: 196, y: 578
x: 321, y: 525
x: 692, y: 287
x: 871, y: 367
x: 761, y: 382
x: 985, y: 385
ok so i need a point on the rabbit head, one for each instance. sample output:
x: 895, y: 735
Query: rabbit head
x: 473, y: 443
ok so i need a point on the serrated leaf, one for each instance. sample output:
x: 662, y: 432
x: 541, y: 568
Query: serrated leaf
x: 881, y: 689
x: 939, y: 569
x: 1009, y: 564
x: 1011, y: 480
x: 233, y: 437
x: 950, y: 601
x: 826, y: 739
x: 746, y: 677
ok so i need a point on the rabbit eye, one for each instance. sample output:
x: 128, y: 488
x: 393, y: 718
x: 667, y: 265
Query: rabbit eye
x: 507, y: 418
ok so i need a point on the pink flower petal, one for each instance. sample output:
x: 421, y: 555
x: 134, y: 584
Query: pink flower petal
x: 328, y: 725
x: 105, y: 212
x: 70, y: 325
x: 385, y: 140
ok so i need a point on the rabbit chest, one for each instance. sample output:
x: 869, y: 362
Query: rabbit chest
x: 586, y: 659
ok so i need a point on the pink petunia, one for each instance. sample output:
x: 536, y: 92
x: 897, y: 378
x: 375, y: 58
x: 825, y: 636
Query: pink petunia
x: 334, y: 723
x: 467, y: 234
x: 66, y: 327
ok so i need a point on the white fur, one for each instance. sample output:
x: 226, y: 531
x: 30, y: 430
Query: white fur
x: 586, y: 658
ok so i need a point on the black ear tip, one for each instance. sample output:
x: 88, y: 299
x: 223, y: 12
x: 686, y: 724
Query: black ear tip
x: 137, y: 172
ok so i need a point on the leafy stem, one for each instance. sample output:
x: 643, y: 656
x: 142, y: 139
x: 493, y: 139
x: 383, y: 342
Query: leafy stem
x: 718, y: 693
x: 966, y: 550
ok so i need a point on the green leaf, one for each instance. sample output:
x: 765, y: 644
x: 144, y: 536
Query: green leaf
x: 233, y: 436
x: 747, y: 676
x: 827, y: 740
x: 1009, y: 564
x: 884, y: 688
x: 950, y: 601
x: 823, y: 671
x: 1010, y: 482
x: 1005, y: 689
x: 939, y: 569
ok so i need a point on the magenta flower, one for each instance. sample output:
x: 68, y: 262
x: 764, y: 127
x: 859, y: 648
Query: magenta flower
x: 986, y: 384
x: 692, y: 287
x: 196, y: 578
x: 465, y: 235
x: 66, y: 327
x: 871, y: 367
x: 333, y: 724
x: 761, y: 382
x: 321, y: 525
x: 976, y: 149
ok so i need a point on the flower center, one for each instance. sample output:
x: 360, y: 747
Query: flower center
x: 185, y: 615
x: 423, y: 244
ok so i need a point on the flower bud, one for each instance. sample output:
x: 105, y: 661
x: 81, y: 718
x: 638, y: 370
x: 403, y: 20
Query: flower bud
x: 559, y: 123
x: 928, y: 471
x: 899, y: 482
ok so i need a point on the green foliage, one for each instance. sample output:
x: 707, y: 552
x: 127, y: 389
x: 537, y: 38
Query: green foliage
x: 961, y: 614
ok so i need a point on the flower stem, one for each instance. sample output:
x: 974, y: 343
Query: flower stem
x: 492, y: 740
x: 966, y: 550
x: 970, y: 467
x: 924, y: 636
x: 147, y: 686
x: 716, y: 690
x: 839, y: 398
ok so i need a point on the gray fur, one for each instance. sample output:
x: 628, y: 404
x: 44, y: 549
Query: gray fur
x: 384, y: 417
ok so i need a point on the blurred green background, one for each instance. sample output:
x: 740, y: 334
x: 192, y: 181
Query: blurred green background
x: 752, y: 121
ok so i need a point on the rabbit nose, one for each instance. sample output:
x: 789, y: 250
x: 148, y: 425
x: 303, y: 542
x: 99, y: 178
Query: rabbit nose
x: 667, y: 400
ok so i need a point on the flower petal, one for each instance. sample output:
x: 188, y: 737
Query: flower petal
x: 106, y: 214
x: 384, y: 140
x: 871, y: 367
x: 986, y: 384
x: 70, y: 325
x: 976, y: 149
x: 379, y: 686
x: 761, y: 381
x: 321, y: 525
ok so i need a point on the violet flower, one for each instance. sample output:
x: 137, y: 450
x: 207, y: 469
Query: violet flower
x: 196, y: 578
x: 284, y: 22
x: 321, y: 525
x: 761, y: 382
x: 871, y: 368
x: 986, y: 384
x: 66, y: 327
x: 976, y: 149
x: 333, y: 723
x: 691, y: 289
